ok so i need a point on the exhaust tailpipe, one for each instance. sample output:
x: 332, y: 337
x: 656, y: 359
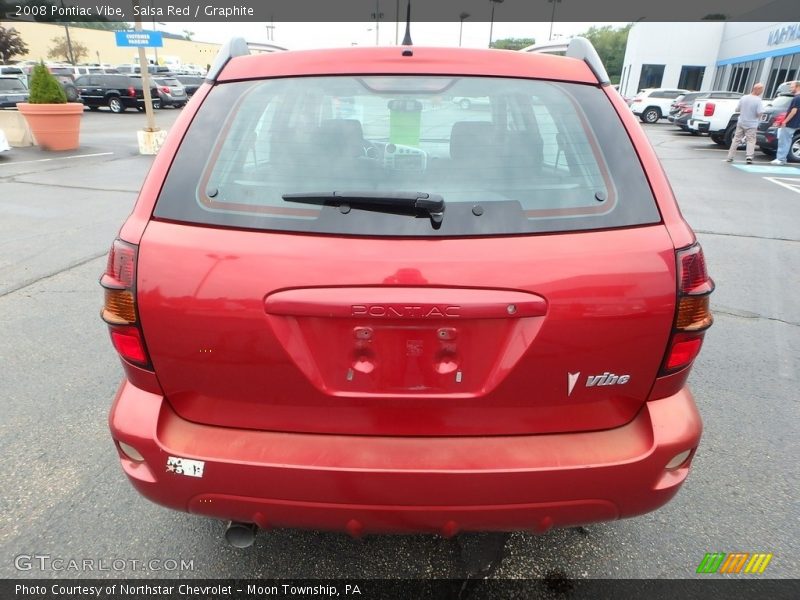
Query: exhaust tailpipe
x: 240, y: 535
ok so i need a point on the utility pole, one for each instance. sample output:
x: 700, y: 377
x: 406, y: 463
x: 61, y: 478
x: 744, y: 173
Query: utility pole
x: 377, y: 16
x: 271, y: 29
x: 462, y: 16
x: 148, y: 99
x: 552, y: 17
x: 397, y: 23
x: 70, y: 55
x: 155, y: 50
x: 491, y: 23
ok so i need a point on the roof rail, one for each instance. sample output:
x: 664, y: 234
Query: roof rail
x: 577, y: 47
x: 233, y: 47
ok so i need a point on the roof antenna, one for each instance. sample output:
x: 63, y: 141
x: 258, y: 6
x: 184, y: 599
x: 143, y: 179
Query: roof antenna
x: 407, y: 37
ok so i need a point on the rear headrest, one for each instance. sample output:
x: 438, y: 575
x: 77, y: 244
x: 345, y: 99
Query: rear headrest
x: 343, y: 135
x: 470, y: 139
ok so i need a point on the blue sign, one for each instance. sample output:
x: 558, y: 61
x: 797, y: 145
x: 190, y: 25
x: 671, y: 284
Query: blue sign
x: 140, y: 39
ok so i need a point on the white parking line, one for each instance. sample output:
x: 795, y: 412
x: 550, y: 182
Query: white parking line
x: 27, y: 162
x: 794, y: 186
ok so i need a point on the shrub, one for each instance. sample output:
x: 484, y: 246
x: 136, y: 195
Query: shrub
x: 45, y: 88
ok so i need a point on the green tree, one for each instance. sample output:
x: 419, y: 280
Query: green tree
x: 513, y: 43
x: 60, y: 49
x: 11, y: 44
x: 188, y: 34
x: 45, y: 88
x: 610, y: 44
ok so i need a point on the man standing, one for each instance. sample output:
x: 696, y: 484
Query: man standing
x: 789, y: 126
x: 749, y: 109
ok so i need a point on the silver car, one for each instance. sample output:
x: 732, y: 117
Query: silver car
x: 170, y: 92
x: 12, y: 90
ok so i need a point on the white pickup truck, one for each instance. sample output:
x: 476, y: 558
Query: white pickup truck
x: 716, y: 115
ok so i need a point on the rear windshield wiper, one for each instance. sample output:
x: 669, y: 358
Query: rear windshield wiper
x: 416, y: 202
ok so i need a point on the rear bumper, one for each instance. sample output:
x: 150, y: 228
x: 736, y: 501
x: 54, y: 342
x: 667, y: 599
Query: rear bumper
x: 169, y: 100
x: 701, y: 126
x: 363, y: 484
x: 129, y: 102
x: 767, y: 139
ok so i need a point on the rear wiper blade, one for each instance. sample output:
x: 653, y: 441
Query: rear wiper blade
x: 432, y: 204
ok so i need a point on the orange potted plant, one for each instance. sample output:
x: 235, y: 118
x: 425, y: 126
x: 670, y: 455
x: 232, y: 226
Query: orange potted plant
x: 54, y: 122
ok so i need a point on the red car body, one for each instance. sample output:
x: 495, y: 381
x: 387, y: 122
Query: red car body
x: 399, y: 384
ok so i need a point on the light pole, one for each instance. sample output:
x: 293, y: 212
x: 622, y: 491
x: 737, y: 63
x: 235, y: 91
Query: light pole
x: 397, y: 22
x: 155, y: 49
x: 148, y: 100
x: 552, y: 17
x: 462, y: 16
x: 150, y: 2
x: 491, y: 22
x: 71, y: 56
x: 271, y: 29
x: 377, y: 16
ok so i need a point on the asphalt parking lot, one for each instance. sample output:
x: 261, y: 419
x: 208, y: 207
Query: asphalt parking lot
x: 64, y: 495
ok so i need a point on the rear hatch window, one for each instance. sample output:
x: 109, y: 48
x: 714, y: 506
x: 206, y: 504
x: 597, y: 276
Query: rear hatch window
x: 781, y: 103
x: 522, y: 156
x: 12, y: 84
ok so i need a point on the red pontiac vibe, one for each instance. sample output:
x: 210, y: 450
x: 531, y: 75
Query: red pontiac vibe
x: 348, y: 300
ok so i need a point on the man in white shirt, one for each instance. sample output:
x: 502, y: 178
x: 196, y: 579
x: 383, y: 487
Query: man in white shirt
x: 749, y: 108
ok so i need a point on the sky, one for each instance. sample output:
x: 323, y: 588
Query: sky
x: 299, y: 36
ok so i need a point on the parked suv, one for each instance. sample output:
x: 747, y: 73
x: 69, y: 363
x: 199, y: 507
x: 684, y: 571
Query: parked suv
x: 190, y: 83
x: 12, y: 90
x: 652, y: 104
x: 11, y: 70
x: 681, y: 109
x: 70, y: 71
x: 341, y: 306
x: 117, y: 92
x: 170, y: 91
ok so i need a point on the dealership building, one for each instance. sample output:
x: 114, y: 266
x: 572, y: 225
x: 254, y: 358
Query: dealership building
x: 710, y: 55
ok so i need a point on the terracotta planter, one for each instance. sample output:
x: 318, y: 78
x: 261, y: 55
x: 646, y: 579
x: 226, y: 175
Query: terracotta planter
x: 54, y: 126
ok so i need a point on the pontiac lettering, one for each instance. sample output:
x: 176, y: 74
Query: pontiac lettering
x: 398, y: 311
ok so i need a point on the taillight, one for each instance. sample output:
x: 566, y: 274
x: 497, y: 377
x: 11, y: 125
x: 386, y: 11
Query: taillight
x: 165, y: 89
x: 709, y: 110
x: 119, y: 308
x: 128, y: 342
x: 692, y: 313
x: 132, y: 92
x: 683, y: 350
x: 779, y: 120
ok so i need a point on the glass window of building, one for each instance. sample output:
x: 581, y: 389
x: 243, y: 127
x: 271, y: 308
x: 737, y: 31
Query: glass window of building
x: 691, y: 78
x: 651, y: 76
x: 784, y: 68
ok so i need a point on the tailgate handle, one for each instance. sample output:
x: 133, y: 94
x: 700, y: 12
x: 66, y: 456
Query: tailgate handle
x: 405, y: 303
